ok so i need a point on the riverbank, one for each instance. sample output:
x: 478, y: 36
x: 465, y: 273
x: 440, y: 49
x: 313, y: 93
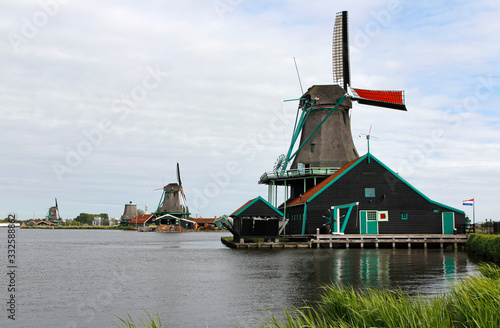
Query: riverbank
x: 470, y: 303
x: 485, y: 246
x: 127, y: 228
x: 79, y: 227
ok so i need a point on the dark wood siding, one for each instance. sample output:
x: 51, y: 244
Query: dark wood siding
x: 295, y: 214
x: 391, y: 194
x: 258, y: 209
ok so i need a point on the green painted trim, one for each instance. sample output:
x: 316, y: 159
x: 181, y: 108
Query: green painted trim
x: 304, y: 219
x: 391, y: 171
x: 334, y: 180
x: 297, y: 130
x: 347, y: 216
x: 414, y: 189
x: 265, y: 202
x: 161, y: 201
x: 294, y: 99
x: 320, y: 124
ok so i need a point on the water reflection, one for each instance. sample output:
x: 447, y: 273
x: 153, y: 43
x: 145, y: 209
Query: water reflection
x: 413, y: 271
x: 192, y: 280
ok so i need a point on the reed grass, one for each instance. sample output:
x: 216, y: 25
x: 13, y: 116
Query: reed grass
x: 485, y: 246
x: 150, y: 322
x: 474, y: 302
x: 471, y: 303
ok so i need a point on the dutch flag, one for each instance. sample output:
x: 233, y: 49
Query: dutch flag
x: 469, y: 202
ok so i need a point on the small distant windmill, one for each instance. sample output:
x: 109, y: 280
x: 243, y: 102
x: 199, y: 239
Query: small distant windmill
x: 173, y: 199
x: 53, y: 214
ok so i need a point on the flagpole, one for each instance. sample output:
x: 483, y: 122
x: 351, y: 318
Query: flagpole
x: 474, y: 213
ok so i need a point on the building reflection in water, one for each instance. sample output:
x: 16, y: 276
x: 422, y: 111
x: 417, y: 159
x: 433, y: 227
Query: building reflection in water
x: 413, y: 271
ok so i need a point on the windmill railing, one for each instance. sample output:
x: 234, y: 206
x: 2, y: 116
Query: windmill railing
x: 298, y: 173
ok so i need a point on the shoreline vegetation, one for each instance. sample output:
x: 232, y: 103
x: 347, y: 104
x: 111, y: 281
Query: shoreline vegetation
x: 115, y: 227
x: 81, y: 227
x: 486, y: 247
x: 472, y: 302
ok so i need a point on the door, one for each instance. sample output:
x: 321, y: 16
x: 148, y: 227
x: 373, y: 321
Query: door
x: 448, y: 223
x: 369, y: 223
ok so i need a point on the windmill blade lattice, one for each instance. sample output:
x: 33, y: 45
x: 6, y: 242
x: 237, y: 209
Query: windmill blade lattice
x: 340, y: 51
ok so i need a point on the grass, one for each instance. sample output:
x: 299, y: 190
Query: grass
x: 151, y: 322
x: 474, y: 302
x: 484, y: 246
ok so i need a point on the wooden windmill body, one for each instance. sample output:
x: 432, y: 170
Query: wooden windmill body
x: 322, y: 141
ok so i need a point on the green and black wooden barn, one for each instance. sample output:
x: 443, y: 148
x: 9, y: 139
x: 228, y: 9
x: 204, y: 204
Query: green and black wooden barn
x: 386, y: 204
x: 257, y: 218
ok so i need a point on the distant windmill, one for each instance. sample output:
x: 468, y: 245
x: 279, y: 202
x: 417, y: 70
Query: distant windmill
x: 173, y: 199
x: 53, y: 214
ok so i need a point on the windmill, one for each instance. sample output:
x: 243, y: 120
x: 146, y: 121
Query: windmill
x: 53, y: 214
x: 323, y: 120
x: 173, y: 199
x: 321, y: 140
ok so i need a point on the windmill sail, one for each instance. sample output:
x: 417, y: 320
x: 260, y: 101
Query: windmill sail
x: 380, y: 98
x: 342, y: 73
x: 180, y: 184
x: 340, y: 51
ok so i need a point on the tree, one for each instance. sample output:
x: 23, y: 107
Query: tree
x: 86, y: 218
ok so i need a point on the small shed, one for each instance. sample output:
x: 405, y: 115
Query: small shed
x: 256, y: 218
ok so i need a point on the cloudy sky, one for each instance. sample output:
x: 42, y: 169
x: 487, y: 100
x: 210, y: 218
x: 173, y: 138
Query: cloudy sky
x: 100, y: 99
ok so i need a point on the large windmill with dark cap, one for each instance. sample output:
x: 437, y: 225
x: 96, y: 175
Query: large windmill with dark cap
x: 322, y: 140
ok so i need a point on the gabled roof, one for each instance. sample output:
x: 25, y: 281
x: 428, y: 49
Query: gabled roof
x: 319, y: 188
x: 314, y: 190
x: 46, y: 222
x: 253, y: 201
x: 204, y: 220
x: 140, y: 219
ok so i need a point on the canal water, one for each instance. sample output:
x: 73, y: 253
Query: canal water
x: 88, y: 278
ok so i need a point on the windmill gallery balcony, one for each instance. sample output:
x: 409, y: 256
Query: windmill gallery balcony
x: 279, y: 177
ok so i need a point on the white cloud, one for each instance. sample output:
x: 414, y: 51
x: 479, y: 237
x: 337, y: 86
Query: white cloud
x: 224, y: 79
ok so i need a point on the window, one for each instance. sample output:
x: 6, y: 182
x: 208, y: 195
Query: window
x: 313, y: 146
x: 404, y: 216
x: 371, y: 215
x: 383, y: 215
x: 369, y: 192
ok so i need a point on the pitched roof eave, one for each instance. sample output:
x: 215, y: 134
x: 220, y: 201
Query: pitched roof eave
x: 253, y: 201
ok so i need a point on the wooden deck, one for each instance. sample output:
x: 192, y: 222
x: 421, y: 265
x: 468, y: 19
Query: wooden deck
x: 356, y: 241
x: 388, y: 240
